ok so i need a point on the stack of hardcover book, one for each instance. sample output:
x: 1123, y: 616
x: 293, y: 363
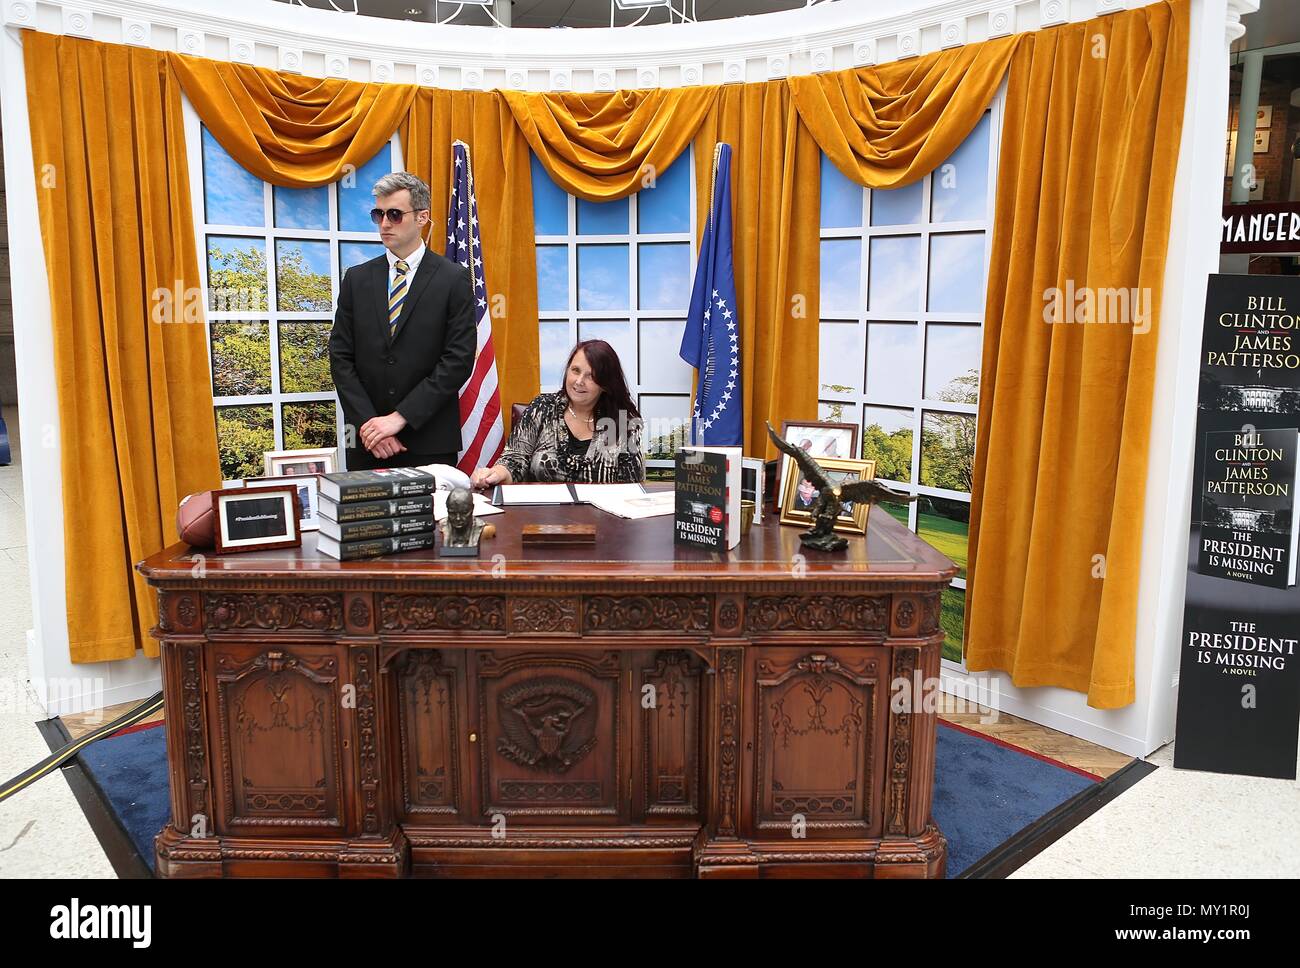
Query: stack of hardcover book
x: 364, y: 514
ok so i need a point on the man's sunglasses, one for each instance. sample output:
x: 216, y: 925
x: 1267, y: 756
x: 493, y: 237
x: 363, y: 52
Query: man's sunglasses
x: 395, y: 215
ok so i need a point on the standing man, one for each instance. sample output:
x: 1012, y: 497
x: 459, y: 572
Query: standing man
x: 403, y: 340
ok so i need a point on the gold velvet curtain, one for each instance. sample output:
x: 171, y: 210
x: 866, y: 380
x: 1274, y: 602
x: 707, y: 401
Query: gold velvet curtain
x: 504, y: 191
x: 1084, y: 193
x: 891, y: 125
x: 287, y: 129
x: 135, y: 405
x: 1090, y: 137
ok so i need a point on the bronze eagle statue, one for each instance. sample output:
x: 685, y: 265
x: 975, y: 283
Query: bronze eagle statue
x: 831, y: 498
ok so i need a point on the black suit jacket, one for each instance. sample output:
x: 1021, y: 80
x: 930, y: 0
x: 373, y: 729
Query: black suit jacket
x: 420, y: 371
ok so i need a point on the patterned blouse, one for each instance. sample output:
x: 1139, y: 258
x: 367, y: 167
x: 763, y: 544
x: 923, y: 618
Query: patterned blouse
x: 543, y: 448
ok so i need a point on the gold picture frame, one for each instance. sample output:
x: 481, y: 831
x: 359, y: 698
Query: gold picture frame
x: 796, y: 507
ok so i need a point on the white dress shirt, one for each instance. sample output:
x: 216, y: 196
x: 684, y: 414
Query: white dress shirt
x: 412, y: 263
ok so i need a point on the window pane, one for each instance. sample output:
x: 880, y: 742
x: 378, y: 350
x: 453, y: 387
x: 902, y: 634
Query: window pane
x: 659, y: 366
x: 957, y: 273
x: 887, y: 439
x: 961, y: 184
x: 553, y: 277
x: 244, y: 434
x: 892, y: 362
x: 602, y: 218
x: 302, y: 208
x: 664, y: 275
x: 952, y: 616
x: 952, y: 363
x: 841, y: 276
x: 618, y: 335
x: 231, y: 195
x: 841, y: 198
x: 839, y: 359
x: 837, y: 411
x: 666, y: 424
x: 308, y: 425
x: 303, y: 282
x: 355, y: 196
x: 241, y: 359
x: 667, y: 206
x: 895, y: 274
x: 554, y: 352
x: 236, y: 274
x: 305, y: 358
x: 550, y: 203
x: 603, y: 277
x: 947, y: 450
x: 897, y: 206
x: 354, y: 253
x: 946, y: 525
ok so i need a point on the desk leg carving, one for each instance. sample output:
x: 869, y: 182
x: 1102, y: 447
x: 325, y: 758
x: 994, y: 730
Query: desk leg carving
x: 724, y: 855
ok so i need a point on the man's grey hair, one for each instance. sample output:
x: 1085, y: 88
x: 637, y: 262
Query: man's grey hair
x: 398, y: 180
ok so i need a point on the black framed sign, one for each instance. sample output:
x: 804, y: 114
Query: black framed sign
x: 256, y: 519
x: 1239, y: 677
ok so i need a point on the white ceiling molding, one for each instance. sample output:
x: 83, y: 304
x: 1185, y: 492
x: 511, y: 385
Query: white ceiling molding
x: 733, y: 72
x: 78, y: 22
x: 20, y: 13
x: 909, y: 43
x: 807, y: 40
x: 137, y: 32
x: 191, y: 42
x: 1053, y: 13
x: 605, y: 79
x: 291, y: 59
x: 1234, y: 30
x: 1002, y: 20
x: 952, y: 33
x: 243, y: 50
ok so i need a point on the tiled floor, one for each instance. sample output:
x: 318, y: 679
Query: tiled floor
x: 43, y: 832
x: 1174, y: 823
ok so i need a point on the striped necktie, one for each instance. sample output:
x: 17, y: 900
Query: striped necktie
x: 395, y: 297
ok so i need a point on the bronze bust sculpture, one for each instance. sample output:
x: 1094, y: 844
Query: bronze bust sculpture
x: 831, y: 497
x: 460, y: 529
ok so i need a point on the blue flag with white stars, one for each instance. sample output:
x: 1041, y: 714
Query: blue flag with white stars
x: 711, y: 342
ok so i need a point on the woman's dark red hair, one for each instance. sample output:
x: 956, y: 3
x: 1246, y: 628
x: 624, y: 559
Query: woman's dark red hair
x: 607, y: 371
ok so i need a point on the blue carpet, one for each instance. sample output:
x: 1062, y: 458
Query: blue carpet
x: 983, y: 793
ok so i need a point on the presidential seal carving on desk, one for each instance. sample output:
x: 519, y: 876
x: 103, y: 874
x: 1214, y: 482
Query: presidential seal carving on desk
x: 545, y: 722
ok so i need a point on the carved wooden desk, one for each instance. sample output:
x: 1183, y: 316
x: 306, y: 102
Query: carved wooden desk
x: 622, y: 709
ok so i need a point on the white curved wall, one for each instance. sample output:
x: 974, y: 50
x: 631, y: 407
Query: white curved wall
x: 827, y: 37
x: 321, y: 43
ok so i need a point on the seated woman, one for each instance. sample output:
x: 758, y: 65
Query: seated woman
x: 588, y: 431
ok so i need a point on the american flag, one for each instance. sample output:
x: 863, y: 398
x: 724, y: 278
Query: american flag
x: 482, y: 436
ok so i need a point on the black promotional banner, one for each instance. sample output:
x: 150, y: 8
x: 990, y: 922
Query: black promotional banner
x: 1239, y: 680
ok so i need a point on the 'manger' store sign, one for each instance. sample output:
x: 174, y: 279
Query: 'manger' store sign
x: 1262, y: 227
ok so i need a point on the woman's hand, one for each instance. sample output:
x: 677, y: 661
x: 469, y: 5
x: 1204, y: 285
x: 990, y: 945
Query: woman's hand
x: 485, y: 477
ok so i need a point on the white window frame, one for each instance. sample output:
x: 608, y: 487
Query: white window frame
x: 633, y: 238
x: 269, y: 234
x: 920, y: 405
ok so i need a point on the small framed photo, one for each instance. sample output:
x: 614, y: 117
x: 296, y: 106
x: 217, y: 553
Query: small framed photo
x: 294, y: 463
x: 308, y: 499
x: 751, y: 484
x: 256, y: 519
x: 801, y: 495
x: 820, y: 439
